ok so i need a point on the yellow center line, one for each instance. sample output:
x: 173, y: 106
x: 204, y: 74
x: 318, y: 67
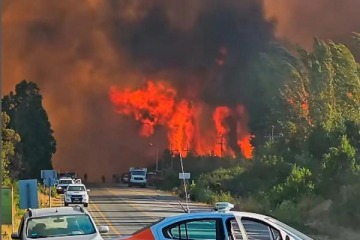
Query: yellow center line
x: 104, y: 218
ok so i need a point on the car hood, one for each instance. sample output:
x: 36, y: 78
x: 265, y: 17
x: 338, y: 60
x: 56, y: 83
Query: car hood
x: 75, y: 193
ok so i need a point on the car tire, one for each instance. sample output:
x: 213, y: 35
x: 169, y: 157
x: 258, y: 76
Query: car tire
x: 66, y: 204
x: 129, y: 185
x: 86, y: 204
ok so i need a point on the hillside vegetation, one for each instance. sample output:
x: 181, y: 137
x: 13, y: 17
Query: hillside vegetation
x: 307, y: 171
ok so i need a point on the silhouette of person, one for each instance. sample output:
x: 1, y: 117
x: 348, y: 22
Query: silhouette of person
x: 38, y: 230
x: 72, y: 225
x: 103, y: 179
x: 85, y: 177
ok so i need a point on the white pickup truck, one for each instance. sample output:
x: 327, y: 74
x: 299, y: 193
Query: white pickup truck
x: 64, y: 182
x: 138, y: 177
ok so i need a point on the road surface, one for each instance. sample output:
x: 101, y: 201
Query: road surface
x: 125, y: 210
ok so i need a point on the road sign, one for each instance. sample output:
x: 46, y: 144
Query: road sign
x: 45, y: 174
x: 6, y: 212
x: 184, y: 175
x: 49, y: 182
x: 28, y: 192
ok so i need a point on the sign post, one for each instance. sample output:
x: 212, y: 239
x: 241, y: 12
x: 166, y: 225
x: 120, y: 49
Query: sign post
x: 49, y: 177
x: 49, y: 184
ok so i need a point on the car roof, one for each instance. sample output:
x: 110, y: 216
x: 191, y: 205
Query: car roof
x: 77, y: 184
x: 206, y: 214
x: 56, y: 211
x: 65, y: 178
x: 202, y: 214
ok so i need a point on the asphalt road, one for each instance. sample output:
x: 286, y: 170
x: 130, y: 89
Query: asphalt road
x: 125, y: 210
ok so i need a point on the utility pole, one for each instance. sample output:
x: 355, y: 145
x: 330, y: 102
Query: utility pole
x: 221, y: 144
x: 271, y: 136
x: 184, y: 182
x: 157, y: 155
x: 171, y: 156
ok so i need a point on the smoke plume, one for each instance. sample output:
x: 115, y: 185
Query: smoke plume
x: 77, y: 50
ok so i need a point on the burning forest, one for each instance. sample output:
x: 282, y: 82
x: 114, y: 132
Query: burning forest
x: 157, y: 104
x: 200, y: 98
x: 115, y: 74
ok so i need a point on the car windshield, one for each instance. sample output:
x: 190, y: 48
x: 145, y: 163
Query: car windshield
x: 65, y: 181
x: 142, y: 173
x: 60, y: 226
x: 76, y: 188
x: 290, y: 230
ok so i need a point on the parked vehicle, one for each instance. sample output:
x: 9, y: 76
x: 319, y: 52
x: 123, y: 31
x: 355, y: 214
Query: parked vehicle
x: 63, y: 183
x: 59, y: 223
x: 219, y: 224
x: 138, y: 177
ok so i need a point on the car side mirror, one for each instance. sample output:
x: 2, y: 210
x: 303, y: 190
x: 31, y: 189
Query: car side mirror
x: 15, y: 235
x: 88, y: 190
x: 103, y: 229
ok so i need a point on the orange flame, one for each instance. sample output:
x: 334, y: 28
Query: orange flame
x: 157, y: 104
x: 243, y: 135
x: 219, y: 116
x: 303, y: 105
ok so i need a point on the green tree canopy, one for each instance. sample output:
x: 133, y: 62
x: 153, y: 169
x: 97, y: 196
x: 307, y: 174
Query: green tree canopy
x: 29, y: 118
x: 8, y: 141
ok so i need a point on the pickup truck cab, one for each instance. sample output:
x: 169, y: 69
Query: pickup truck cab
x: 63, y: 184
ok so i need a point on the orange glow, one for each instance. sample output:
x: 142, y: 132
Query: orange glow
x: 157, y: 104
x: 303, y: 106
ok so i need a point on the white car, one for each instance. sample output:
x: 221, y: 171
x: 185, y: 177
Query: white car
x: 76, y: 193
x: 72, y: 223
x: 63, y: 183
x: 219, y: 224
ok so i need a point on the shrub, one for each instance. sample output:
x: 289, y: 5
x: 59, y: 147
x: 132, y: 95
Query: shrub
x: 297, y: 184
x: 346, y: 211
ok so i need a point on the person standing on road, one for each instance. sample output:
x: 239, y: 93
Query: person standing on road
x: 85, y: 177
x: 103, y: 178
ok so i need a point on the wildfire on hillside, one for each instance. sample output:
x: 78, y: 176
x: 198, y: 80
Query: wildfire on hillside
x: 158, y: 104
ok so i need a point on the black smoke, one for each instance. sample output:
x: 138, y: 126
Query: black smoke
x: 154, y: 44
x: 75, y: 50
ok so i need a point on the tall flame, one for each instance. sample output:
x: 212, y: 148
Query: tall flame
x: 157, y: 104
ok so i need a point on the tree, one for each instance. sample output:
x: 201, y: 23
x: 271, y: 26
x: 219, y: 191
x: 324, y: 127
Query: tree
x: 30, y: 120
x: 8, y: 141
x: 339, y: 166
